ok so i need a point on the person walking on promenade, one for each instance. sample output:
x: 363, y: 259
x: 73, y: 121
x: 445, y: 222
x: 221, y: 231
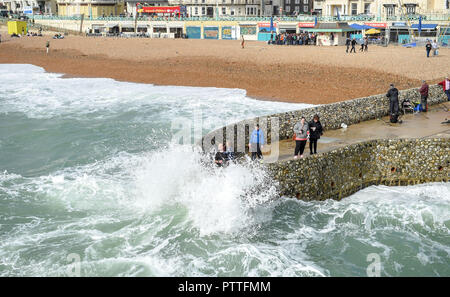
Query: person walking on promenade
x: 301, y: 130
x: 256, y: 143
x: 446, y: 87
x: 242, y: 41
x: 392, y: 94
x: 47, y: 46
x: 347, y: 43
x: 424, y: 96
x: 315, y: 131
x: 353, y: 46
x: 428, y: 48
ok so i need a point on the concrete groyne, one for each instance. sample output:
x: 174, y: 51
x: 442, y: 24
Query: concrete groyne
x: 343, y: 171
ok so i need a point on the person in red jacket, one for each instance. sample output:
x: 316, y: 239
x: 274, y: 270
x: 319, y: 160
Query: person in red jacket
x: 446, y: 87
x: 424, y: 96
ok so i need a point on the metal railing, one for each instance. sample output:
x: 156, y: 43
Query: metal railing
x: 299, y: 18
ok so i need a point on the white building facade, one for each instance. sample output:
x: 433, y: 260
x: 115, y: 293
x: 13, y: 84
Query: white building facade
x: 381, y: 8
x: 48, y: 7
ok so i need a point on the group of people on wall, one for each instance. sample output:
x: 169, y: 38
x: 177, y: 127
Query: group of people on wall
x: 393, y: 95
x: 304, y: 131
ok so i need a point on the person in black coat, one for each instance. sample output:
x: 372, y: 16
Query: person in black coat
x: 392, y: 94
x: 315, y: 131
x: 353, y: 46
x: 428, y: 48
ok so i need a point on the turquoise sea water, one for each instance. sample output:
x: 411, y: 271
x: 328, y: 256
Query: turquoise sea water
x: 89, y: 167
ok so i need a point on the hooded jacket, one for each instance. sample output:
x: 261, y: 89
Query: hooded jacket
x: 301, y: 132
x: 392, y: 94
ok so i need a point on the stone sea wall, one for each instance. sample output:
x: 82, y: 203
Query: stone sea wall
x: 331, y: 117
x: 344, y: 171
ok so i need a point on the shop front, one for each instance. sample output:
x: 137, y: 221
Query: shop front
x: 265, y: 33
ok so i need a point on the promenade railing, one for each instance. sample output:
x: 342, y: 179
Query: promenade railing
x: 299, y: 18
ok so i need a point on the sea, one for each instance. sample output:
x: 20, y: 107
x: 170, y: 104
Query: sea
x: 93, y: 174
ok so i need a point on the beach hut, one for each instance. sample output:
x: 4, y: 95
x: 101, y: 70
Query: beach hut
x: 16, y: 27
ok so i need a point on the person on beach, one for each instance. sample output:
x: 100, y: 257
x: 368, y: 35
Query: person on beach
x: 242, y: 41
x: 435, y: 47
x: 424, y: 96
x: 256, y: 143
x: 315, y: 131
x: 362, y: 46
x: 221, y: 157
x: 446, y: 87
x: 301, y: 130
x: 428, y: 48
x: 392, y: 94
x: 353, y: 46
x: 347, y: 43
x: 366, y: 44
x: 47, y: 46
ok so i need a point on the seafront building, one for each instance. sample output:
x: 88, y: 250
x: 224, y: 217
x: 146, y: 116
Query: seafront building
x: 48, y: 7
x: 380, y: 8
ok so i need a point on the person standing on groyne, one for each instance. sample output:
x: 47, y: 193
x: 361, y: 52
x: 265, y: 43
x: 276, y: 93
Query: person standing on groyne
x: 256, y: 143
x: 424, y: 96
x: 315, y: 131
x: 301, y: 133
x: 446, y: 87
x: 392, y: 94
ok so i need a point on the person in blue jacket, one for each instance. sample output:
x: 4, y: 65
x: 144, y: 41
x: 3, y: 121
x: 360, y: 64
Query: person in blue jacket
x: 256, y: 143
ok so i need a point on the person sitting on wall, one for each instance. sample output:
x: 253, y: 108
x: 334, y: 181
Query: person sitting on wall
x: 221, y: 157
x: 229, y: 151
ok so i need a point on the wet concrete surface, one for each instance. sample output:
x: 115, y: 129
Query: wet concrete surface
x: 413, y: 125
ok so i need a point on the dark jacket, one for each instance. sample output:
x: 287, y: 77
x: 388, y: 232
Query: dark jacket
x: 392, y: 94
x: 315, y: 133
x: 428, y: 46
x: 424, y: 90
x: 353, y: 42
